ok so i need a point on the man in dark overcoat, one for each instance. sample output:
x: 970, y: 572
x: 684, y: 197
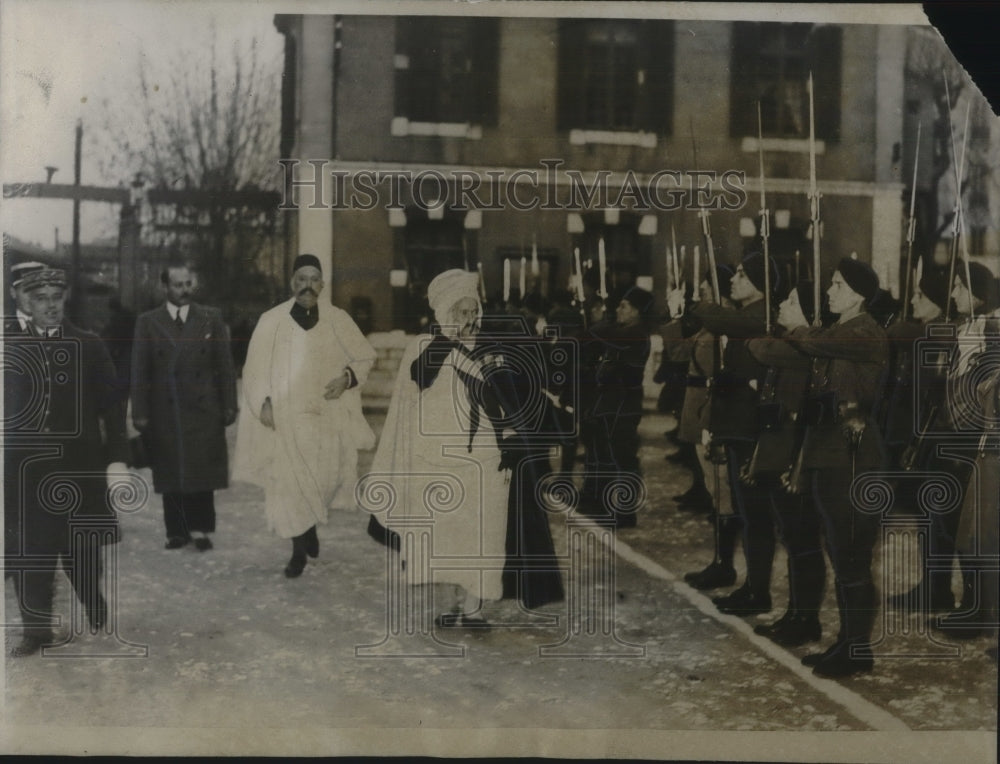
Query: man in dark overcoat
x: 64, y: 435
x: 183, y: 398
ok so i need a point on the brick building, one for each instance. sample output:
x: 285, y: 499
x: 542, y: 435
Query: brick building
x: 465, y: 96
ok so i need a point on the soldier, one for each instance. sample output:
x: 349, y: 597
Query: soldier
x: 698, y: 349
x: 977, y: 297
x: 70, y: 448
x: 617, y: 407
x: 977, y: 537
x: 843, y: 442
x: 930, y: 301
x: 782, y: 400
x: 734, y: 425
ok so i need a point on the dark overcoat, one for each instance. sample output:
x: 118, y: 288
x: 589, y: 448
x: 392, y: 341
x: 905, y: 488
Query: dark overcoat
x: 64, y: 423
x: 184, y: 384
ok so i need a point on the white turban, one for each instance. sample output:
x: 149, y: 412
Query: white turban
x: 448, y: 288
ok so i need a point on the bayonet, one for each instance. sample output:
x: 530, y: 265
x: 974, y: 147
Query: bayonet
x: 765, y: 231
x: 911, y: 227
x: 814, y: 197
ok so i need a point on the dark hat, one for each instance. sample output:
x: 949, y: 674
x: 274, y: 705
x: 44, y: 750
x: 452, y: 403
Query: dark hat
x: 935, y: 290
x: 753, y: 267
x: 984, y: 285
x: 725, y: 275
x: 639, y: 298
x: 19, y: 270
x: 45, y: 277
x: 859, y: 277
x: 303, y: 260
x: 807, y: 302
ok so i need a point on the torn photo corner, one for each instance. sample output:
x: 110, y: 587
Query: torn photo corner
x: 523, y: 565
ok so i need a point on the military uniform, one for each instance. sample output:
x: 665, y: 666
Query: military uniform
x: 843, y: 441
x: 615, y: 414
x: 733, y: 422
x: 782, y: 425
x: 64, y: 424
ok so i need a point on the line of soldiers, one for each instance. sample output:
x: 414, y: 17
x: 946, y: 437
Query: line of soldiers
x: 802, y: 420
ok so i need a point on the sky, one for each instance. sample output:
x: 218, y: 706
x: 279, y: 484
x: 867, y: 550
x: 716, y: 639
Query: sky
x: 60, y: 60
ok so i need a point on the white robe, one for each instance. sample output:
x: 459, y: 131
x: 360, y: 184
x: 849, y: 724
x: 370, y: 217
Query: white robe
x: 309, y: 462
x: 424, y: 473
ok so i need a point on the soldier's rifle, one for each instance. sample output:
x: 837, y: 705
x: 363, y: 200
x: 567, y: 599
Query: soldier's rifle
x: 958, y: 229
x: 814, y: 197
x: 911, y: 228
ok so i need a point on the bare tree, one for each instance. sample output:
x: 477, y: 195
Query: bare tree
x: 206, y: 128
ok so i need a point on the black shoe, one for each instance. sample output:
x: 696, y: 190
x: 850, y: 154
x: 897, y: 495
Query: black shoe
x: 694, y: 493
x: 841, y: 663
x: 715, y: 576
x: 32, y: 643
x: 743, y: 602
x: 797, y: 632
x: 679, y: 457
x: 295, y: 565
x: 770, y: 629
x: 203, y: 543
x: 913, y: 600
x: 814, y: 659
x: 312, y: 543
x: 626, y: 520
x: 380, y: 533
x: 177, y: 542
x: 700, y: 504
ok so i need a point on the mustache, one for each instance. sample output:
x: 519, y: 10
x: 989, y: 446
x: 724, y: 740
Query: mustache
x: 308, y: 290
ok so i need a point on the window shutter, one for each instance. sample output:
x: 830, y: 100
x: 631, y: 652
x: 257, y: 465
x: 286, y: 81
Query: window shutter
x: 658, y: 64
x: 824, y: 57
x: 743, y: 86
x: 570, y: 81
x: 485, y: 41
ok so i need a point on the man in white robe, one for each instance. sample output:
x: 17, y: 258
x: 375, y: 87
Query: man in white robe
x: 301, y: 424
x: 439, y: 459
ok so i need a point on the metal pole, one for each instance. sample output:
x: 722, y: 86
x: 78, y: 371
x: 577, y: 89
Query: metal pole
x: 75, y: 261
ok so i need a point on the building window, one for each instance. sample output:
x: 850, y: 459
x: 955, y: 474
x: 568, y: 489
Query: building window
x: 446, y: 69
x: 626, y: 252
x: 771, y: 64
x: 616, y: 75
x: 430, y: 247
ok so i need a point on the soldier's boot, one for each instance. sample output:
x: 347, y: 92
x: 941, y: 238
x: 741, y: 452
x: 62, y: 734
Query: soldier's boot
x: 854, y: 655
x: 720, y: 572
